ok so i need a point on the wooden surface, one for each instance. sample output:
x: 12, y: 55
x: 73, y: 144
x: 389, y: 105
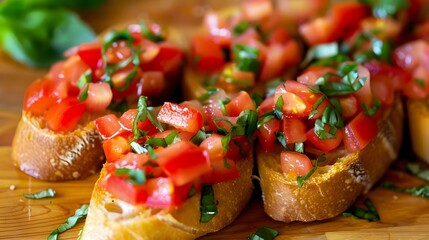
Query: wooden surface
x: 402, y: 216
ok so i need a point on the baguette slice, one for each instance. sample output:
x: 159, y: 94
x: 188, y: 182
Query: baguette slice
x: 418, y: 120
x: 51, y: 156
x: 332, y: 188
x: 111, y: 218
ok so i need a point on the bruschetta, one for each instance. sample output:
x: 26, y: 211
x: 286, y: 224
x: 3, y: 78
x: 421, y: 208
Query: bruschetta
x: 56, y: 138
x: 176, y: 174
x: 242, y: 48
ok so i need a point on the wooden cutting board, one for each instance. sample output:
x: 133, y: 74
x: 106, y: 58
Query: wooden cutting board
x: 402, y: 216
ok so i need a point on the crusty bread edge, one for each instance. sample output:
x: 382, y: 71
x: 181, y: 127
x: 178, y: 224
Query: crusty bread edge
x: 332, y: 189
x: 418, y: 122
x: 137, y: 222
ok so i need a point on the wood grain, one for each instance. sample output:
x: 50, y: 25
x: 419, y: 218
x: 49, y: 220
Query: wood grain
x: 402, y: 216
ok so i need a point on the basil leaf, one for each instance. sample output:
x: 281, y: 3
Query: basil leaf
x: 16, y: 7
x: 248, y: 119
x: 199, y: 137
x: 135, y: 176
x: 272, y: 85
x: 386, y: 8
x: 371, y: 111
x: 41, y: 36
x: 359, y: 213
x: 320, y: 51
x: 278, y: 110
x: 240, y: 28
x: 71, y: 222
x: 301, y: 179
x: 257, y: 99
x: 192, y: 191
x: 142, y: 113
x: 299, y: 147
x: 208, y: 208
x: 210, y: 91
x: 149, y: 35
x: 281, y: 138
x: 420, y: 191
x: 417, y: 170
x: 120, y: 106
x: 48, y: 193
x: 264, y: 233
x: 246, y: 58
x: 84, y: 94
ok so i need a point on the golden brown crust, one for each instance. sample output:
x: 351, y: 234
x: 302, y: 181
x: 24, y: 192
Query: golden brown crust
x: 334, y: 188
x: 111, y: 218
x: 52, y: 156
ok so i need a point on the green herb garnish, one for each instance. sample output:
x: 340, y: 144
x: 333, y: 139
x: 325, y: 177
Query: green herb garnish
x: 135, y: 176
x: 371, y: 214
x: 417, y: 170
x: 386, y: 8
x: 301, y: 179
x: 321, y: 51
x: 421, y: 191
x: 264, y: 233
x: 71, y: 222
x: 240, y: 28
x: 48, y: 193
x: 149, y: 34
x: 144, y: 112
x: 208, y: 208
x: 246, y: 58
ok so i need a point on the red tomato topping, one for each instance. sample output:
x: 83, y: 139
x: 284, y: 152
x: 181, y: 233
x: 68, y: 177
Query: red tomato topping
x: 326, y: 145
x: 118, y: 187
x: 267, y: 134
x: 183, y: 162
x: 256, y: 10
x: 359, y: 132
x: 239, y: 103
x: 181, y: 117
x: 90, y: 53
x: 99, y: 96
x: 64, y: 116
x: 116, y: 148
x: 108, y: 126
x: 161, y: 193
x: 206, y: 55
x: 294, y: 161
x: 294, y: 130
x: 223, y: 169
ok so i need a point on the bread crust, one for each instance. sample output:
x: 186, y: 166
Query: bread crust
x: 52, y: 156
x: 418, y: 121
x: 111, y: 218
x: 332, y: 188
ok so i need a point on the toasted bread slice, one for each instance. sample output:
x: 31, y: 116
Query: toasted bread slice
x: 111, y: 218
x: 52, y: 156
x: 332, y: 188
x: 418, y: 118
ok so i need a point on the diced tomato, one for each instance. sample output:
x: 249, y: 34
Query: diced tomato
x: 37, y: 97
x: 412, y: 54
x: 212, y: 111
x: 300, y: 10
x: 223, y: 169
x: 395, y: 76
x: 116, y: 148
x: 278, y: 36
x: 266, y: 134
x: 225, y: 123
x: 149, y: 52
x: 161, y: 193
x: 168, y: 60
x: 349, y: 106
x: 127, y: 119
x: 183, y: 162
x: 183, y: 135
x: 383, y: 91
x: 294, y: 161
x: 195, y: 104
x: 213, y: 145
x: 206, y: 55
x: 256, y: 10
x: 326, y: 145
x: 118, y: 187
x: 294, y: 130
x: 233, y: 79
x: 364, y: 94
x: 279, y: 57
x: 359, y: 132
x: 218, y: 29
x: 90, y: 53
x: 312, y: 73
x: 64, y: 116
x: 267, y: 105
x: 346, y: 17
x: 239, y: 103
x: 151, y: 84
x: 73, y: 69
x: 317, y: 31
x: 181, y: 117
x: 99, y: 96
x: 108, y: 126
x: 293, y: 106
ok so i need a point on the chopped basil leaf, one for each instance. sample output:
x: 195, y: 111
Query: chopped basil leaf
x: 265, y: 118
x: 173, y: 137
x: 364, y: 56
x: 226, y: 164
x: 386, y: 8
x: 208, y: 208
x: 137, y: 148
x: 420, y: 82
x: 110, y: 68
x: 143, y: 112
x: 158, y: 142
x: 316, y: 105
x: 272, y: 85
x: 71, y: 222
x: 331, y: 61
x: 376, y: 104
x: 421, y: 191
x: 136, y: 176
x: 48, y: 193
x: 348, y: 84
x: 248, y: 120
x: 320, y: 51
x: 240, y: 28
x: 119, y: 106
x: 299, y: 147
x: 84, y: 94
x: 246, y: 58
x: 192, y: 191
x: 85, y: 78
x: 302, y: 179
x: 371, y: 214
x: 257, y: 99
x: 281, y: 138
x: 417, y: 170
x: 278, y: 110
x: 264, y: 233
x: 199, y: 137
x: 149, y: 35
x: 382, y: 49
x: 225, y: 142
x: 210, y: 91
x: 222, y: 105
